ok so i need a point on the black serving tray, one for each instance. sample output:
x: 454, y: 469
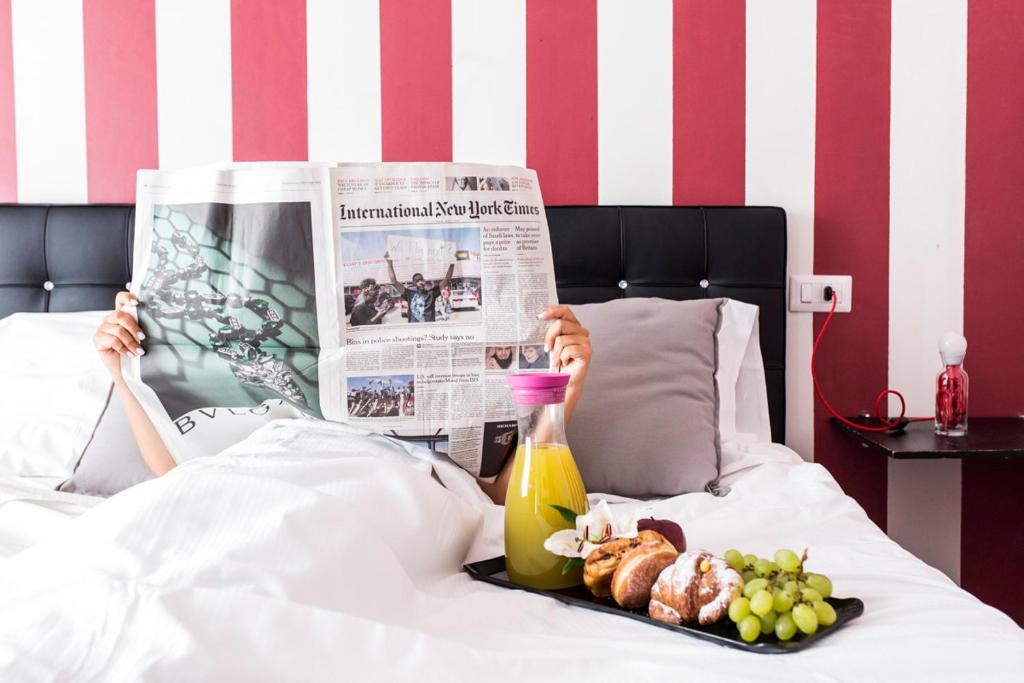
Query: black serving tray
x: 722, y: 633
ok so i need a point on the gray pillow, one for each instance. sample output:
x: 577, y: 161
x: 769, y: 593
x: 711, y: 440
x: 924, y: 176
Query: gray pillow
x: 111, y: 461
x: 647, y: 423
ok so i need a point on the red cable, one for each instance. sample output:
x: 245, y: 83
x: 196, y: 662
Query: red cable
x: 887, y: 424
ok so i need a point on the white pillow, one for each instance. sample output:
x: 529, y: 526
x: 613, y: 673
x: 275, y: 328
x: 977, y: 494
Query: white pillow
x: 742, y: 390
x: 53, y: 389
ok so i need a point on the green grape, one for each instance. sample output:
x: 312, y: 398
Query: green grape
x: 749, y: 575
x: 768, y: 622
x: 763, y: 567
x: 739, y: 608
x: 820, y: 583
x: 787, y: 560
x: 735, y: 559
x: 785, y: 627
x: 826, y: 615
x: 805, y: 618
x: 782, y: 601
x: 777, y: 590
x: 749, y: 560
x: 809, y: 595
x: 791, y: 586
x: 761, y: 603
x: 750, y: 628
x: 754, y: 586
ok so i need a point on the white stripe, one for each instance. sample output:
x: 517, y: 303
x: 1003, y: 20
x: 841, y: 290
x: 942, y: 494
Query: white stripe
x: 781, y: 69
x: 193, y: 68
x: 343, y: 80
x: 49, y: 100
x: 926, y: 252
x: 634, y: 102
x: 489, y: 81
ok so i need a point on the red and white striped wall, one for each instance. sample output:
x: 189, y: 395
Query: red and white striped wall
x: 890, y: 130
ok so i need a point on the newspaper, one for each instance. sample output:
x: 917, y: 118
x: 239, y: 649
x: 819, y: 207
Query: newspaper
x: 392, y: 296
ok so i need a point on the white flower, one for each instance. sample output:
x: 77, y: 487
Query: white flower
x: 592, y: 529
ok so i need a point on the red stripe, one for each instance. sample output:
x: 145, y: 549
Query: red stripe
x: 8, y: 157
x: 851, y: 230
x: 709, y: 101
x: 268, y: 80
x: 120, y: 95
x: 992, y: 535
x: 561, y: 98
x: 416, y: 80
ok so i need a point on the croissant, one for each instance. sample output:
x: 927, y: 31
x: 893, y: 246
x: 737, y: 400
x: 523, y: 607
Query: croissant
x: 636, y: 573
x: 697, y: 587
x: 602, y: 562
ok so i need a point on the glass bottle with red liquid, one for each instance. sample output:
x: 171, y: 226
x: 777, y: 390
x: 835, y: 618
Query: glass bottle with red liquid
x: 951, y: 387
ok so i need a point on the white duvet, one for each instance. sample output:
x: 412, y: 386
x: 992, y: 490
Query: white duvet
x: 313, y: 552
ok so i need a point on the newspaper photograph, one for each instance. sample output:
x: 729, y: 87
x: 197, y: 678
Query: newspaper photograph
x: 392, y: 296
x: 440, y: 279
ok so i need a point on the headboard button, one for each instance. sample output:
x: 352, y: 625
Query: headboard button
x: 48, y: 286
x: 623, y: 284
x: 704, y: 284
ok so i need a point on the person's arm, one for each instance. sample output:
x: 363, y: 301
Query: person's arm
x: 391, y: 274
x: 568, y: 342
x: 119, y: 335
x: 151, y: 446
x: 447, y: 277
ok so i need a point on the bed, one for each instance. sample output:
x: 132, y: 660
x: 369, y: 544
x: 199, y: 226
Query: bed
x: 277, y: 560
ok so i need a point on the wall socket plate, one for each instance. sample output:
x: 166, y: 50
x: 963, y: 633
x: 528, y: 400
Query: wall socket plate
x: 806, y: 293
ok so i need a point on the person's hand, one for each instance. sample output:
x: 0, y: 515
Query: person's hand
x: 118, y: 335
x: 491, y: 363
x: 568, y: 342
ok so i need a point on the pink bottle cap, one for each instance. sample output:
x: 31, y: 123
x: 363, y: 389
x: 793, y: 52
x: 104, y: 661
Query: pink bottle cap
x: 537, y: 389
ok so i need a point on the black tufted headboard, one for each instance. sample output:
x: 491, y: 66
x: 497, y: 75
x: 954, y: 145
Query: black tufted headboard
x: 73, y: 258
x: 63, y: 258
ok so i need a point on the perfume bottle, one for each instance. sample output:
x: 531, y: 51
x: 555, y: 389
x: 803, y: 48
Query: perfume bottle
x: 951, y: 387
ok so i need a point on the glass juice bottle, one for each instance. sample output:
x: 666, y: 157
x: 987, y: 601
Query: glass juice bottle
x: 543, y: 474
x: 951, y: 387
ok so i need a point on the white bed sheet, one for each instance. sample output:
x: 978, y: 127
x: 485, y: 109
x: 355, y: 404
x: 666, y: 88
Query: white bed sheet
x: 313, y: 552
x: 31, y: 509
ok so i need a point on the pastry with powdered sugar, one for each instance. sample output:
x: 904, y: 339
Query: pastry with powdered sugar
x: 697, y: 587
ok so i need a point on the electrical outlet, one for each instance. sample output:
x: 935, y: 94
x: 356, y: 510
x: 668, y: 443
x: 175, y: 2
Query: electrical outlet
x: 807, y: 293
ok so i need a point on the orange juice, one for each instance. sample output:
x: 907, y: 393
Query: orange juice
x: 542, y: 474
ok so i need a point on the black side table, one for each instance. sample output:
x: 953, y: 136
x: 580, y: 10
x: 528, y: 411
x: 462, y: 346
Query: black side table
x: 987, y: 437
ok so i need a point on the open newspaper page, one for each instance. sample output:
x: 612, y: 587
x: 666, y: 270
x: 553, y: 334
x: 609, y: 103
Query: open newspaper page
x: 231, y: 267
x: 393, y: 296
x: 442, y: 271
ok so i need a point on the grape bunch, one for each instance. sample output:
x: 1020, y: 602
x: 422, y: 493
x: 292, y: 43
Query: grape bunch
x: 778, y: 596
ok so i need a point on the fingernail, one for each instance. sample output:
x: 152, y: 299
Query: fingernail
x: 140, y: 352
x: 540, y: 316
x: 140, y: 335
x: 547, y: 349
x: 132, y: 302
